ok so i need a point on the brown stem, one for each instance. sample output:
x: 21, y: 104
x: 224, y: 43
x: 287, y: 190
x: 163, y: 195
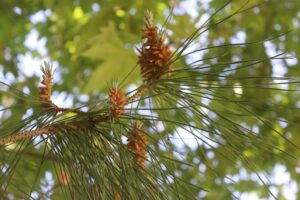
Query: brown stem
x: 59, y: 109
x: 25, y: 134
x: 137, y: 94
x: 54, y: 108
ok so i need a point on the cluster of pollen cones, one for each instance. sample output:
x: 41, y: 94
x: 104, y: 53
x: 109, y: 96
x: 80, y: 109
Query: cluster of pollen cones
x: 137, y: 143
x: 154, y: 60
x: 155, y: 55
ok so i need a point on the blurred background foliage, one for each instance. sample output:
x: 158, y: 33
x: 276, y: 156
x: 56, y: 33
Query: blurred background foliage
x: 92, y: 42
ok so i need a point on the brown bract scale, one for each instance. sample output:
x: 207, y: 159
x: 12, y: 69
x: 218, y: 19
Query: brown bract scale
x: 137, y: 143
x: 117, y: 100
x: 155, y: 55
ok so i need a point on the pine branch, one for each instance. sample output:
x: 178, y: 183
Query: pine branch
x: 105, y: 158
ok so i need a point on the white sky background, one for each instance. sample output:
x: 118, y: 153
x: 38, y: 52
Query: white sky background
x: 32, y: 42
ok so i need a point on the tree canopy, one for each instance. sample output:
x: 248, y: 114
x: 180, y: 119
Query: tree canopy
x: 219, y: 120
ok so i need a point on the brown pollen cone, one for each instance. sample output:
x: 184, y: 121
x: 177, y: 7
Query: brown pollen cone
x: 63, y: 178
x: 46, y: 88
x: 154, y: 56
x: 117, y: 100
x: 137, y: 143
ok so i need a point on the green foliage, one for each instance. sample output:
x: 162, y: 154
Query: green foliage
x: 109, y: 44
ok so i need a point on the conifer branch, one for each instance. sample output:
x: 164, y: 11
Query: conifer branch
x: 104, y: 142
x: 154, y: 61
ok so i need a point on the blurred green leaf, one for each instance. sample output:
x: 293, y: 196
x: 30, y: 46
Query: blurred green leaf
x: 117, y: 61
